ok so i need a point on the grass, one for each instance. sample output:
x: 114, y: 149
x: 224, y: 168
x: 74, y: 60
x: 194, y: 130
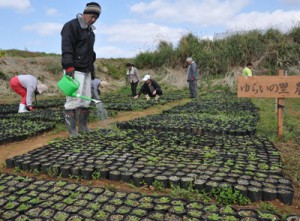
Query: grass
x: 268, y: 119
x: 267, y: 125
x: 289, y: 144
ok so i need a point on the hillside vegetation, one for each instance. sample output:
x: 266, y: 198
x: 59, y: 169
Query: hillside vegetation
x: 221, y: 58
x: 268, y: 51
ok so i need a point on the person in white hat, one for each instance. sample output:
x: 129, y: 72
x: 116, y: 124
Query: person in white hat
x: 150, y: 88
x: 27, y: 86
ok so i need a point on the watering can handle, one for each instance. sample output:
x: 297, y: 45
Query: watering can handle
x: 75, y: 80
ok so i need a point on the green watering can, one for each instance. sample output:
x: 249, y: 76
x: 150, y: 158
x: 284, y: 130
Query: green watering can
x: 69, y: 87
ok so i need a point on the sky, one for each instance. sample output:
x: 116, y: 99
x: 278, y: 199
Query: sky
x: 126, y: 28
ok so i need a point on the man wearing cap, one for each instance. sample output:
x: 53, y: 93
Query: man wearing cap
x: 133, y: 78
x: 78, y: 57
x: 150, y: 89
x: 192, y: 77
x: 26, y: 86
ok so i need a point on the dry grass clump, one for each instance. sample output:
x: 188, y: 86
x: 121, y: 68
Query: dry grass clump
x: 230, y: 79
x: 175, y: 78
x: 40, y: 67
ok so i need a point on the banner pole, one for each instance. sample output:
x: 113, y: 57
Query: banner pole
x: 280, y: 106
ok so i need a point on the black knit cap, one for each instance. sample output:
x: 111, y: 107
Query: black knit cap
x: 92, y: 8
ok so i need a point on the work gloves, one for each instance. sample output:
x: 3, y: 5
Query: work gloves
x: 30, y: 108
x: 70, y: 72
x: 147, y: 97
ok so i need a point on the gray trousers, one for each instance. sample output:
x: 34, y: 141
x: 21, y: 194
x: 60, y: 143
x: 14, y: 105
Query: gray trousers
x: 84, y: 89
x: 193, y: 87
x: 95, y: 93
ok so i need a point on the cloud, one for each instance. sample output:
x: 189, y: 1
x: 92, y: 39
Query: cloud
x: 19, y: 5
x: 199, y: 12
x: 131, y: 38
x: 113, y: 52
x: 52, y: 12
x: 133, y: 32
x: 44, y: 29
x: 282, y: 20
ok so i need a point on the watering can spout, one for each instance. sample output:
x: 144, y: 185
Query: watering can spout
x: 87, y: 98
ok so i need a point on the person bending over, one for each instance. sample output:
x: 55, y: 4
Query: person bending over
x: 26, y: 86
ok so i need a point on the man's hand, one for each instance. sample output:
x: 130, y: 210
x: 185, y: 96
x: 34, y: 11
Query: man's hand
x: 154, y: 92
x: 30, y: 108
x: 70, y: 72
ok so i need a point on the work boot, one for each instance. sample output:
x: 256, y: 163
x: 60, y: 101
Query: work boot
x: 22, y: 108
x: 70, y: 118
x: 83, y: 114
x: 156, y: 97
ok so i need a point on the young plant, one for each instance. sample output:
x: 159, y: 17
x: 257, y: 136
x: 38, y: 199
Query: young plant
x: 96, y: 175
x: 214, y: 216
x: 268, y: 207
x: 229, y: 196
x: 158, y: 186
x: 189, y: 193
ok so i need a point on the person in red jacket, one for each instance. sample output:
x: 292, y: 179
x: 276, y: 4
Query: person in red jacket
x: 26, y: 86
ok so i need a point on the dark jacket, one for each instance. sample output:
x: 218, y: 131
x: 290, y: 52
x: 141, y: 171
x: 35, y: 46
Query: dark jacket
x: 78, y: 45
x: 145, y: 89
